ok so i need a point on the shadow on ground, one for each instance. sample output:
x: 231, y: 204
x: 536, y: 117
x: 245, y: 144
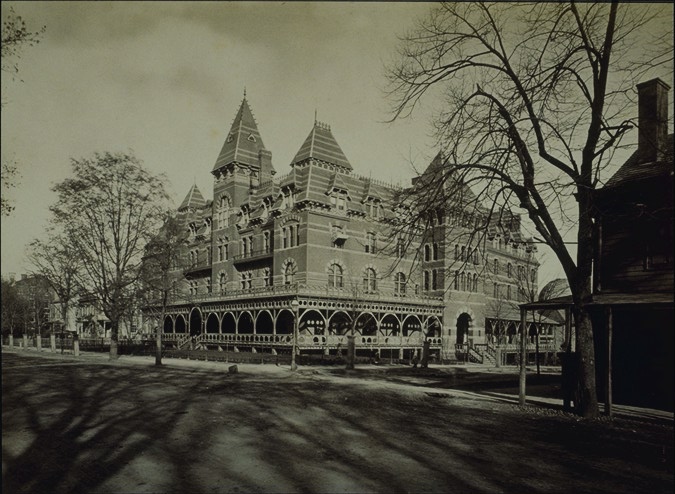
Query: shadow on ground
x: 78, y: 427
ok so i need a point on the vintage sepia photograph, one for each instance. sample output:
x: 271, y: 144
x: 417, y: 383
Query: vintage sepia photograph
x: 337, y: 247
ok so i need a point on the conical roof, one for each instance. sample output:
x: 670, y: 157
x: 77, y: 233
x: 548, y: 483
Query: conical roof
x: 243, y: 143
x: 321, y: 145
x: 193, y: 200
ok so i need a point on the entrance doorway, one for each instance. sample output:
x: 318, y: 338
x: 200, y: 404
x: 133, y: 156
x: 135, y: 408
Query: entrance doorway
x: 463, y: 325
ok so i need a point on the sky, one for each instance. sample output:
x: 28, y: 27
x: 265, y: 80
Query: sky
x: 165, y: 79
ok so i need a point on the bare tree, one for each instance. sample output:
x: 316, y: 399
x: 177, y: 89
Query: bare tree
x: 15, y: 36
x: 56, y: 261
x: 110, y: 210
x: 162, y: 261
x: 8, y: 176
x: 535, y: 97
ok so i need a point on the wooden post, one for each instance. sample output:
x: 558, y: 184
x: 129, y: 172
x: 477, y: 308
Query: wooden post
x: 608, y: 392
x: 567, y: 363
x: 523, y: 357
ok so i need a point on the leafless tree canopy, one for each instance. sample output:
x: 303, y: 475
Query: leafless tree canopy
x: 536, y: 98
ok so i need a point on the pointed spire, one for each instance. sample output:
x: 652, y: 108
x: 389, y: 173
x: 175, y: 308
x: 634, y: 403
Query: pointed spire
x: 321, y: 145
x: 193, y: 200
x: 243, y: 143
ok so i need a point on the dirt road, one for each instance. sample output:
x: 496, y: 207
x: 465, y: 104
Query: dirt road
x: 87, y: 425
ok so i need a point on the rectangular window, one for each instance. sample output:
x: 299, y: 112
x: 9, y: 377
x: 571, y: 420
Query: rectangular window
x: 370, y: 243
x: 266, y: 242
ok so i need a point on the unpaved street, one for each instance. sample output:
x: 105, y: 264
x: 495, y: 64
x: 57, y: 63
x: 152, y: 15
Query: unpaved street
x: 88, y: 425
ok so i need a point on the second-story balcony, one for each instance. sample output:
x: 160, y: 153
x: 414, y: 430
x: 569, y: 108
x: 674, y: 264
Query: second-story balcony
x: 252, y: 256
x: 196, y: 269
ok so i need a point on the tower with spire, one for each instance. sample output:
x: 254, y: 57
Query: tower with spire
x: 243, y: 161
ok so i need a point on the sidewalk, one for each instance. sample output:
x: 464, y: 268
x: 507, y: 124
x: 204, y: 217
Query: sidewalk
x: 327, y: 373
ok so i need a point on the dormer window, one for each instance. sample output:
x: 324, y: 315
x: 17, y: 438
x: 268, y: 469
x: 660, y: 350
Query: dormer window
x: 373, y: 208
x: 338, y: 200
x: 251, y: 138
x: 230, y: 137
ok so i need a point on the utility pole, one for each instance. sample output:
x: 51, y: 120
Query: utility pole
x: 295, y: 305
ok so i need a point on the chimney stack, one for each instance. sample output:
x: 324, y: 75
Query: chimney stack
x: 652, y: 120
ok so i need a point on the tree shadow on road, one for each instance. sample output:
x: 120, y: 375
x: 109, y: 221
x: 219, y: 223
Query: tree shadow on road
x: 107, y: 428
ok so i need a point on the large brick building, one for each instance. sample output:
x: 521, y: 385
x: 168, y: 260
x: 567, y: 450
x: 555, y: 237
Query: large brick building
x: 332, y: 240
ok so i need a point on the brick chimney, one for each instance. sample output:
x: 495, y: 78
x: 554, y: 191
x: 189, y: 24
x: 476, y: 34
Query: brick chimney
x: 652, y: 120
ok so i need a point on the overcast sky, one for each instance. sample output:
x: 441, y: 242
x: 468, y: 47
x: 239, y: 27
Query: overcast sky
x: 166, y: 79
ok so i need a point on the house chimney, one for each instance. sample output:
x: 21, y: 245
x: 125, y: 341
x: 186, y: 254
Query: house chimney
x: 652, y: 120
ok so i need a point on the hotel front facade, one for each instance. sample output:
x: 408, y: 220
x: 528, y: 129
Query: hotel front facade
x: 323, y: 247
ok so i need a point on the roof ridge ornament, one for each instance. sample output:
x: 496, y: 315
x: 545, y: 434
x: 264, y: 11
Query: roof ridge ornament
x: 321, y: 125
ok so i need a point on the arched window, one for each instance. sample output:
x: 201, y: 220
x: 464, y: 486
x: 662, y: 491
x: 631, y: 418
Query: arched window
x: 369, y: 280
x: 456, y: 252
x: 335, y: 279
x: 290, y: 236
x: 426, y: 281
x: 456, y: 281
x: 462, y: 256
x: 435, y: 252
x: 496, y: 266
x: 427, y: 252
x: 434, y: 279
x: 289, y: 274
x: 399, y: 284
x: 246, y: 278
x: 508, y: 270
x: 475, y: 283
x: 267, y: 277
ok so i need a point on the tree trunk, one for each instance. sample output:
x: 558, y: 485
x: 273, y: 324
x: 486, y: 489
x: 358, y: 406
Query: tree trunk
x: 114, y: 330
x: 586, y: 394
x: 586, y: 402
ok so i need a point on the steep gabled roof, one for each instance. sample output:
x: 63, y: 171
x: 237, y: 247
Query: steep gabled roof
x: 337, y: 183
x: 193, y: 200
x: 243, y: 143
x: 370, y: 191
x: 633, y: 170
x: 321, y: 145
